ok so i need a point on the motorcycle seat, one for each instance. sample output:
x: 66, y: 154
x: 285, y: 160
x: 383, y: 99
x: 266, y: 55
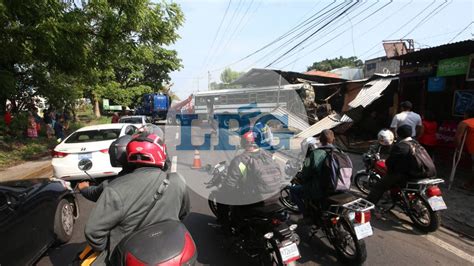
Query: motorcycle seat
x: 341, y: 198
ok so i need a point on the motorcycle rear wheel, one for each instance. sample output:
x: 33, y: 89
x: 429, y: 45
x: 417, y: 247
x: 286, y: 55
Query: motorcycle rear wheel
x: 422, y: 216
x: 285, y: 199
x: 344, y: 240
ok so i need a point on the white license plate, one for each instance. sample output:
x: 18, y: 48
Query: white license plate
x: 84, y: 156
x: 437, y: 203
x: 363, y: 230
x: 289, y: 253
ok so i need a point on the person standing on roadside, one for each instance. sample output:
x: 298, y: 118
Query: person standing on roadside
x: 407, y: 117
x: 115, y: 118
x: 31, y: 130
x: 466, y: 130
x: 428, y: 138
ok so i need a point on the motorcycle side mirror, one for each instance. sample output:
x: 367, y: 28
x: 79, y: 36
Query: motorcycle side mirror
x: 84, y: 165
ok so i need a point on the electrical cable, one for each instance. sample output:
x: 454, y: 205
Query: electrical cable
x: 312, y: 34
x: 284, y: 35
x: 339, y: 34
x: 401, y: 27
x: 428, y: 17
x: 459, y: 33
x: 302, y: 33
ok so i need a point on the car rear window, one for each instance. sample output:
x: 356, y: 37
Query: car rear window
x: 135, y: 120
x: 93, y: 135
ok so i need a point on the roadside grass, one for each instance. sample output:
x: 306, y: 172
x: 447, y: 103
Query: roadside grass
x: 17, y: 149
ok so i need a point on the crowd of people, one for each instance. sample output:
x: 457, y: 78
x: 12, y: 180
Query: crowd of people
x: 53, y: 123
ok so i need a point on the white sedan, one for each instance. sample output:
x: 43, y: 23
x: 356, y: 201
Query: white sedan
x: 138, y: 120
x: 91, y: 142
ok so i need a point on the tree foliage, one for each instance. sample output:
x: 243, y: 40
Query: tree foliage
x: 330, y: 64
x: 229, y: 75
x: 100, y: 49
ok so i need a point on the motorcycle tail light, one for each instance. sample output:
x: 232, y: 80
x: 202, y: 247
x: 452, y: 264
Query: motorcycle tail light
x: 58, y: 154
x: 105, y: 151
x: 362, y: 217
x: 433, y: 191
x: 131, y: 260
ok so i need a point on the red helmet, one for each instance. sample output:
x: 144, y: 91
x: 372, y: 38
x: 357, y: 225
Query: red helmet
x: 248, y: 137
x: 147, y: 150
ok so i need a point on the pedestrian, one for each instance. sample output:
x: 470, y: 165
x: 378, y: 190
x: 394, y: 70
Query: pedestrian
x: 407, y: 117
x: 466, y: 130
x: 7, y: 117
x: 49, y: 123
x: 31, y: 129
x: 430, y: 129
x: 59, y: 129
x: 37, y: 119
x: 115, y: 117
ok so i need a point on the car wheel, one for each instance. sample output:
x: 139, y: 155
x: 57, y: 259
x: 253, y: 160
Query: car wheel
x: 64, y: 221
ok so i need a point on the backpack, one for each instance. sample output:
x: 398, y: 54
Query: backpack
x: 338, y: 169
x: 422, y: 165
x: 263, y: 174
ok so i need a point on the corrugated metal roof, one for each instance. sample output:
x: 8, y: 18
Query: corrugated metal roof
x: 294, y: 121
x: 370, y: 92
x: 328, y: 122
x: 322, y: 74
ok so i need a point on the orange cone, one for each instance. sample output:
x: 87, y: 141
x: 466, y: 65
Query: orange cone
x: 197, y: 160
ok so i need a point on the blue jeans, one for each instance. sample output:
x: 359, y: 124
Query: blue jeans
x: 297, y: 196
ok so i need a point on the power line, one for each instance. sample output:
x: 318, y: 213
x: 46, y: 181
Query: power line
x: 217, y: 32
x: 238, y: 26
x: 428, y: 17
x: 303, y: 32
x: 284, y: 35
x: 339, y: 34
x: 459, y: 33
x: 312, y: 34
x: 401, y: 27
x: 236, y: 10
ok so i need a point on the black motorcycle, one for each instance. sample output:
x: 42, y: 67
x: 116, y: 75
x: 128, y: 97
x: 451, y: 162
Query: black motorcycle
x: 263, y: 233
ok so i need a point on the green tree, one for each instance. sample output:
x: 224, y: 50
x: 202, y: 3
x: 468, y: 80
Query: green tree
x: 229, y: 75
x: 330, y: 64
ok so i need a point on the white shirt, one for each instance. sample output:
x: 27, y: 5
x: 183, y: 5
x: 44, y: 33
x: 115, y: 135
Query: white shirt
x: 407, y: 118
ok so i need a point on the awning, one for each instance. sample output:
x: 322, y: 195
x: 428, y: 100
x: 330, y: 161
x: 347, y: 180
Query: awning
x: 293, y: 121
x: 370, y: 92
x: 328, y: 122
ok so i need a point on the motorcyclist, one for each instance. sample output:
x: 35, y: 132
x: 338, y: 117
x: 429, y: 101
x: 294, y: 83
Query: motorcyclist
x: 256, y: 187
x: 398, y: 164
x: 124, y: 201
x: 385, y: 139
x: 264, y: 136
x: 118, y: 158
x: 310, y: 185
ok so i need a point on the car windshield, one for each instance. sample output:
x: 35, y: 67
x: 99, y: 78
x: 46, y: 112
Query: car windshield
x: 93, y: 135
x: 131, y: 120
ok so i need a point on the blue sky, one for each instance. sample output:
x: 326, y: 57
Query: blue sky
x: 251, y: 24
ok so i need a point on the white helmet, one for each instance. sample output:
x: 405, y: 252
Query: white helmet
x: 385, y: 137
x: 310, y: 143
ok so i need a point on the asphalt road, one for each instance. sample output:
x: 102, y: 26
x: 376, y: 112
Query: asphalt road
x: 394, y: 241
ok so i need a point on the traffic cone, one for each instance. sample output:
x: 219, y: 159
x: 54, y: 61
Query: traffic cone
x: 197, y: 160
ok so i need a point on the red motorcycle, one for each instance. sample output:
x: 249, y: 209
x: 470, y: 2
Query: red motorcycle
x: 420, y: 199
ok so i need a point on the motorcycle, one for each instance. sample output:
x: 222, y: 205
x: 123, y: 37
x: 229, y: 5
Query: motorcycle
x: 420, y: 199
x: 167, y: 243
x: 343, y: 218
x: 374, y: 170
x: 263, y: 233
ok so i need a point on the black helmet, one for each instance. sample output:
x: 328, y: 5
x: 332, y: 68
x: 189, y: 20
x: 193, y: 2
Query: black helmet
x: 118, y: 151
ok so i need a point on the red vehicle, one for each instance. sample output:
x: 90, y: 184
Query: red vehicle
x: 420, y: 199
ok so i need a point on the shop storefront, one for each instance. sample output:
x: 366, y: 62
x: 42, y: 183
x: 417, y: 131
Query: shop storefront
x: 440, y: 80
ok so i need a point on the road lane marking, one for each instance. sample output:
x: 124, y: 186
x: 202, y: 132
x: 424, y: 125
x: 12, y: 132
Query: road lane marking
x: 176, y: 136
x: 456, y: 251
x: 174, y: 162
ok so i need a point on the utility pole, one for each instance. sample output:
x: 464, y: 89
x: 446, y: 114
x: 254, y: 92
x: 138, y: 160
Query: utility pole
x: 208, y: 80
